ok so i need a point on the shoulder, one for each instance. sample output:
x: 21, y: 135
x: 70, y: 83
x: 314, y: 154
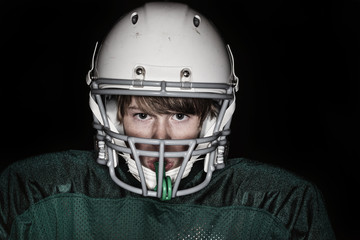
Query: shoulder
x: 251, y: 183
x: 267, y: 186
x: 52, y: 160
x: 262, y: 176
x: 46, y: 168
x: 37, y: 173
x: 46, y: 174
x: 26, y: 182
x: 292, y: 199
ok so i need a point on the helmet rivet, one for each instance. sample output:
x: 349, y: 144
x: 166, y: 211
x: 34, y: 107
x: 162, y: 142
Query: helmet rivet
x: 186, y: 73
x: 139, y: 71
x: 196, y: 20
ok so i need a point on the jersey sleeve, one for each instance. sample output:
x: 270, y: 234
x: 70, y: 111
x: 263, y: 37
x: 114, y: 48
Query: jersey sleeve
x: 311, y: 220
x: 10, y: 204
x: 295, y: 202
x: 28, y: 181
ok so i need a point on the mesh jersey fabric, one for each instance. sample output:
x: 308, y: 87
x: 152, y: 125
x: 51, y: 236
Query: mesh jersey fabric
x: 67, y: 195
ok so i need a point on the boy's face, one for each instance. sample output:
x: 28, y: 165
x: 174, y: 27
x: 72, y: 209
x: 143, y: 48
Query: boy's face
x: 139, y: 123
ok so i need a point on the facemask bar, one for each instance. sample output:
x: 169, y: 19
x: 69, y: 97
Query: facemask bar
x: 104, y: 133
x: 108, y: 86
x: 161, y: 155
x: 212, y: 142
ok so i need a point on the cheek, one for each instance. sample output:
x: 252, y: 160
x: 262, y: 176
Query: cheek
x: 186, y: 131
x: 134, y: 129
x: 189, y: 133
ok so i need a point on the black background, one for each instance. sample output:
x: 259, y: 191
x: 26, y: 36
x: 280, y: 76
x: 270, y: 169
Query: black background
x: 298, y: 64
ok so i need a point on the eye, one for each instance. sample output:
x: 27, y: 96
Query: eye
x: 180, y: 116
x: 141, y: 116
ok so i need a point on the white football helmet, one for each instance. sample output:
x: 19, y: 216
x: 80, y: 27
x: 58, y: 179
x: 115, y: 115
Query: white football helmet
x: 168, y: 50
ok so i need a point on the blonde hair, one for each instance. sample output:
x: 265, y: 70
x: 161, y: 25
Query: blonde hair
x: 165, y: 105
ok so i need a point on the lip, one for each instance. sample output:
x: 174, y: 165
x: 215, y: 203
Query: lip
x: 168, y: 164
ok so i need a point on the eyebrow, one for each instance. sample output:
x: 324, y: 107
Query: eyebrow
x: 136, y: 108
x: 132, y: 107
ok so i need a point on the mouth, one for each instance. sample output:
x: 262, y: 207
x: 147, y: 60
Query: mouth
x: 151, y: 164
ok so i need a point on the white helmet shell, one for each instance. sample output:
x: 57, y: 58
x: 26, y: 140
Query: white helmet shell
x: 163, y: 40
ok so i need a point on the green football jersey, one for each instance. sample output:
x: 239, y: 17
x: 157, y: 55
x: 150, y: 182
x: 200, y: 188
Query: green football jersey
x: 67, y: 195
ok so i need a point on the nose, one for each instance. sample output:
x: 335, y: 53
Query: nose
x: 161, y: 129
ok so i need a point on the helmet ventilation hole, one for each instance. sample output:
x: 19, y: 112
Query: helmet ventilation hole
x: 134, y: 17
x: 196, y: 20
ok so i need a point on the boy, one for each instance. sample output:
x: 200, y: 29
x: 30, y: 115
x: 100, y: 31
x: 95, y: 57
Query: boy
x: 162, y: 94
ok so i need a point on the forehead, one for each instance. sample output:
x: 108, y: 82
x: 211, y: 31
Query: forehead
x: 165, y: 105
x: 154, y: 105
x: 133, y: 103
